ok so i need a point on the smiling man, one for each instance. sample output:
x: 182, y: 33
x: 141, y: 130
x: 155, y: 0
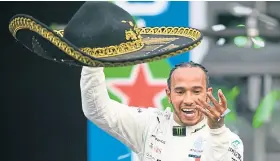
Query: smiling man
x: 194, y: 131
x: 187, y: 83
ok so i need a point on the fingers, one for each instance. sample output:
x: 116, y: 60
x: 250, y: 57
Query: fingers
x: 219, y: 96
x: 215, y: 102
x: 205, y: 112
x: 209, y: 108
x: 216, y: 112
x: 222, y: 98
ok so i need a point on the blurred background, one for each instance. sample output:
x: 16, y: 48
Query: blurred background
x: 40, y: 100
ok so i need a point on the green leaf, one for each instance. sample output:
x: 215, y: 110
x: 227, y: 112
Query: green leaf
x: 231, y: 98
x: 265, y: 108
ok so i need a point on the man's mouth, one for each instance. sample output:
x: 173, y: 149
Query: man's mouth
x: 190, y: 113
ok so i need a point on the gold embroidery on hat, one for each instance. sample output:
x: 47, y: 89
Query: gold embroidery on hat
x: 156, y: 40
x: 132, y: 34
x: 21, y: 23
x: 134, y: 43
x: 59, y: 32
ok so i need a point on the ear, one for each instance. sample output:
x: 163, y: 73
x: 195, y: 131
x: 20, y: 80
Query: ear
x: 210, y: 89
x: 168, y: 93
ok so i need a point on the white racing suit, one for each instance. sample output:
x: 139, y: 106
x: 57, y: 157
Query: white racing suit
x: 148, y: 131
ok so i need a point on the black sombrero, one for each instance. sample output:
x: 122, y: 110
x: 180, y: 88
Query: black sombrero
x: 102, y: 34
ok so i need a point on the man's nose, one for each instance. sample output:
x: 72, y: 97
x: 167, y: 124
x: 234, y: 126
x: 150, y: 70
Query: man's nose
x: 188, y: 101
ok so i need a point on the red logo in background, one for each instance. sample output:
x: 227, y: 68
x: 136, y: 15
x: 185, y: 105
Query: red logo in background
x: 141, y: 89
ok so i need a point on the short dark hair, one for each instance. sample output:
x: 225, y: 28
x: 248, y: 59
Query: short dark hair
x: 189, y: 65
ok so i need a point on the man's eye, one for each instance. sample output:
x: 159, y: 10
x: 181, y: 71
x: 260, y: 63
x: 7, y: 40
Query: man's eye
x: 179, y: 92
x: 196, y: 92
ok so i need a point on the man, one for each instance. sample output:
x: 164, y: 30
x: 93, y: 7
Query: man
x: 194, y: 131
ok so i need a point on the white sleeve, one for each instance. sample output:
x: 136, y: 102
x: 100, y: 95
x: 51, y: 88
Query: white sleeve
x: 223, y: 145
x: 127, y: 124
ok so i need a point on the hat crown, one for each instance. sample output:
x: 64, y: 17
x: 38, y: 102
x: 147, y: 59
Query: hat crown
x: 99, y: 24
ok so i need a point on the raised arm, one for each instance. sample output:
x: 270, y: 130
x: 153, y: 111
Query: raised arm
x: 125, y: 123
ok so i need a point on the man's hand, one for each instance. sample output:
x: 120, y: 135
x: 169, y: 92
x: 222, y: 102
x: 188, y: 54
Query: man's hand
x: 214, y: 113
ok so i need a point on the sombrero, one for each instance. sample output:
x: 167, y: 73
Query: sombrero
x: 101, y: 34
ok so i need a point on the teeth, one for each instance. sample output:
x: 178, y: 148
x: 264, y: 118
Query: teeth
x: 187, y: 110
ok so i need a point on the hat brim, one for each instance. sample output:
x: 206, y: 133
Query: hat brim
x: 158, y: 43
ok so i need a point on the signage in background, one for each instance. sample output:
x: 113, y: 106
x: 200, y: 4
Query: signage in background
x: 124, y: 82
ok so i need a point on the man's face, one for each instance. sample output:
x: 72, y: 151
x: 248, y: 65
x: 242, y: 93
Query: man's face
x: 187, y: 85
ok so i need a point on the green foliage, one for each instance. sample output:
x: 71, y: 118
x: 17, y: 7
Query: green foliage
x: 265, y: 108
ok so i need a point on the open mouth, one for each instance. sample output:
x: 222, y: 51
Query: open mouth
x: 188, y: 112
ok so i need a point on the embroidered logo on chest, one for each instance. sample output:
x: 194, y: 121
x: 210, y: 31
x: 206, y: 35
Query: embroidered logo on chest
x: 154, y: 137
x: 197, y: 148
